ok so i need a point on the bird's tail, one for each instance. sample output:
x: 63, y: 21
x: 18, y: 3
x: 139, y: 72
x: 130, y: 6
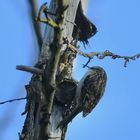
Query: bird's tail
x: 69, y: 118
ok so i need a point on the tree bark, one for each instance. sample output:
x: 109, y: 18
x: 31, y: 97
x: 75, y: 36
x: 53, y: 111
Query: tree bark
x: 44, y: 111
x: 51, y: 91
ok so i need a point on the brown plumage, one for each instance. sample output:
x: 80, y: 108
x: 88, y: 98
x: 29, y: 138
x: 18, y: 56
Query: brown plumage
x: 88, y: 93
x: 84, y: 28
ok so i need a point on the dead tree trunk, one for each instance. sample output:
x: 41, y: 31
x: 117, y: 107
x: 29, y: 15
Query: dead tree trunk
x: 52, y: 87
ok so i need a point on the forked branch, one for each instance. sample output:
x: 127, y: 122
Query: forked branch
x: 48, y: 20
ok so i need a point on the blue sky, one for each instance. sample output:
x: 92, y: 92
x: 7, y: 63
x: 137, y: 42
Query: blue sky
x: 117, y: 116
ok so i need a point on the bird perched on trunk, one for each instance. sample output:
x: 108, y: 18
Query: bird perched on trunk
x: 89, y: 91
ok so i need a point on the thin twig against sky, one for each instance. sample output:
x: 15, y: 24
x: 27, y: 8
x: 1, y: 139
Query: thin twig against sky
x: 13, y: 100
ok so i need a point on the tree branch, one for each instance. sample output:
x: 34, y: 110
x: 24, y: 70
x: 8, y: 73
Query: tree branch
x: 102, y: 55
x: 13, y: 100
x: 48, y: 20
x: 37, y: 28
x: 30, y: 69
x: 51, y: 71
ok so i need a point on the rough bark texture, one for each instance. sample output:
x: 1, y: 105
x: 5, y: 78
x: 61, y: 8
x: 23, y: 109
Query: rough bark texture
x: 36, y: 126
x: 50, y: 91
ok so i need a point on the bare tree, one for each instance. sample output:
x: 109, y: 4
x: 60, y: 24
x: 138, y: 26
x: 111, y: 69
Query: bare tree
x: 52, y: 87
x: 54, y: 97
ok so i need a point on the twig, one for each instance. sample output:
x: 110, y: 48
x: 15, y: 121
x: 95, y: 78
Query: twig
x: 102, y: 55
x: 37, y: 28
x: 29, y: 69
x: 13, y: 100
x: 89, y: 59
x: 48, y: 20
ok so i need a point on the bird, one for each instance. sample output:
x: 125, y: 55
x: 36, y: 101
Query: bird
x: 89, y: 91
x: 84, y: 28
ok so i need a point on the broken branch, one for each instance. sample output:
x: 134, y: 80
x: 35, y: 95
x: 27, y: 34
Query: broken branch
x: 30, y: 69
